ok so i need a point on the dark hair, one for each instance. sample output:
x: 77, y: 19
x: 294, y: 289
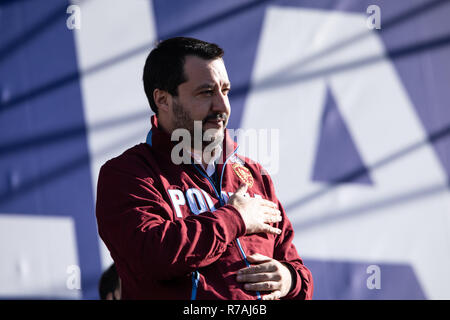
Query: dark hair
x: 164, y: 67
x: 109, y: 281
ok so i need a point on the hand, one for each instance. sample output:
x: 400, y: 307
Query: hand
x: 256, y: 213
x: 266, y: 275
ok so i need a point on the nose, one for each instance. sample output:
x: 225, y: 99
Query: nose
x: 220, y: 103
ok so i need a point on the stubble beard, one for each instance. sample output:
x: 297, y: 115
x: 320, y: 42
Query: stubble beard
x: 210, y: 139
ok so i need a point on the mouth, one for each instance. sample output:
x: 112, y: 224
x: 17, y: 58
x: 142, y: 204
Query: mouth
x: 217, y: 123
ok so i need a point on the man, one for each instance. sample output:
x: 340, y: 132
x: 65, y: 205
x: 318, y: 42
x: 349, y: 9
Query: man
x: 207, y: 228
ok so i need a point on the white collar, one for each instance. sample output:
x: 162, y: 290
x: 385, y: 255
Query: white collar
x: 197, y: 156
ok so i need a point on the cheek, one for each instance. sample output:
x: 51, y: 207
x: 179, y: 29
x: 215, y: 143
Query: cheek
x: 196, y: 109
x: 201, y: 110
x: 227, y: 102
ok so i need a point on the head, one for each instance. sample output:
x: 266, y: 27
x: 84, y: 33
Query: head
x: 185, y: 80
x: 110, y: 285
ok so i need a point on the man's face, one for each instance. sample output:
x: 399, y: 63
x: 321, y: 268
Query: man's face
x: 203, y: 97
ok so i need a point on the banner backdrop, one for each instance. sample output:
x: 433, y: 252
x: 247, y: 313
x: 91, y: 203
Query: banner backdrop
x: 353, y: 95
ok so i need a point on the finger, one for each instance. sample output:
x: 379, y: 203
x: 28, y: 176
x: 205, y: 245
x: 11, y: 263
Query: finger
x: 272, y: 211
x: 269, y: 266
x: 271, y: 230
x: 272, y: 296
x: 258, y: 277
x: 263, y: 286
x: 272, y: 218
x: 269, y: 203
x: 258, y: 258
x: 242, y: 189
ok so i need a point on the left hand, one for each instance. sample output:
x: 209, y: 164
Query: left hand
x: 266, y: 274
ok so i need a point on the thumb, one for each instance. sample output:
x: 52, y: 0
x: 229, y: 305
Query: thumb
x: 258, y: 258
x: 242, y: 189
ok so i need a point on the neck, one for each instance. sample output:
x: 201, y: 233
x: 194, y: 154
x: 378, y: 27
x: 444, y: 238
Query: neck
x: 205, y: 157
x: 164, y: 125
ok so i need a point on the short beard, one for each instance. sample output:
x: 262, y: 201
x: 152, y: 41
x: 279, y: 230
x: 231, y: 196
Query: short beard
x: 209, y: 138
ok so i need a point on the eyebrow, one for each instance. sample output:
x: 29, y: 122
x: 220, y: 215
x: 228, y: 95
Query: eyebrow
x: 210, y: 86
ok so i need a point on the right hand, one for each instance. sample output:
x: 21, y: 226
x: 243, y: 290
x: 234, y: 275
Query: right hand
x: 256, y: 213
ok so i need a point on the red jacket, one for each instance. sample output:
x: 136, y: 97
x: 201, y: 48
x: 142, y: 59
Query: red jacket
x: 163, y: 222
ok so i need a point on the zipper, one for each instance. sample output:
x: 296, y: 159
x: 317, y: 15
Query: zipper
x: 201, y: 171
x: 195, y: 278
x: 195, y: 274
x: 222, y: 202
x: 258, y: 295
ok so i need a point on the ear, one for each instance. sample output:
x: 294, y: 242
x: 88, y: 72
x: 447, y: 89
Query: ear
x: 162, y: 100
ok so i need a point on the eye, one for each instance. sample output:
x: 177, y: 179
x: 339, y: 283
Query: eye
x: 207, y: 92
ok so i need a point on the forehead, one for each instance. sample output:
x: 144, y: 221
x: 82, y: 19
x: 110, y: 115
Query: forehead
x: 201, y: 71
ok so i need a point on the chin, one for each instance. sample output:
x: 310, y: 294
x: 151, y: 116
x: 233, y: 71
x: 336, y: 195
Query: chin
x: 214, y: 136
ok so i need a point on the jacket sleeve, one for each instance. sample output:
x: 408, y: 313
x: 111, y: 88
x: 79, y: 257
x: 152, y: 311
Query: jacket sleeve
x: 138, y: 226
x: 286, y: 252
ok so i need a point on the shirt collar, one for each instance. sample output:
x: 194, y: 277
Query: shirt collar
x: 197, y: 156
